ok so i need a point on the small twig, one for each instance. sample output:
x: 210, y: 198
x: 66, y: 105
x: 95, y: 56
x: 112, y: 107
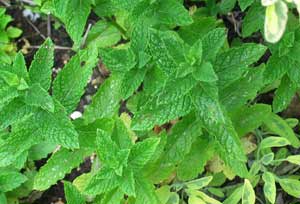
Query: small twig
x: 36, y: 29
x: 49, y: 26
x: 5, y: 3
x: 56, y: 47
x: 31, y: 3
x: 86, y: 35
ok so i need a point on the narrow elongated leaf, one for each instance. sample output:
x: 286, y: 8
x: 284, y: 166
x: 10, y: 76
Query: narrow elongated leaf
x: 279, y: 126
x: 40, y: 69
x: 269, y: 187
x: 106, y: 101
x: 219, y: 126
x: 69, y: 84
x: 60, y: 164
x: 284, y: 94
x: 248, y: 196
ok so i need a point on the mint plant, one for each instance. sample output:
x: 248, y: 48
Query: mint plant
x: 8, y: 33
x: 178, y: 118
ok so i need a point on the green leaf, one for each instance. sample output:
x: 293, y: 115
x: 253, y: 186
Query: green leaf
x: 247, y: 119
x: 104, y: 181
x: 105, y: 102
x: 194, y: 162
x: 277, y: 67
x: 295, y: 159
x: 231, y: 64
x: 3, y: 198
x: 212, y: 42
x: 216, y: 122
x: 254, y: 19
x: 69, y: 85
x: 145, y: 192
x: 284, y: 94
x: 74, y: 14
x: 142, y: 152
x: 39, y: 97
x: 275, y: 21
x: 55, y: 127
x: 103, y: 34
x: 269, y: 187
x: 151, y: 115
x: 249, y: 84
x: 16, y: 111
x: 291, y: 186
x: 40, y: 69
x: 180, y: 140
x: 199, y: 28
x: 109, y: 153
x: 205, y: 73
x: 127, y: 183
x: 19, y: 67
x: 59, y: 164
x: 73, y: 196
x: 10, y: 180
x: 198, y: 183
x: 274, y: 142
x: 16, y: 143
x: 235, y: 197
x: 245, y: 3
x: 170, y: 12
x: 113, y: 197
x: 166, y: 50
x: 248, y: 195
x: 131, y: 81
x: 118, y: 60
x: 13, y: 32
x: 267, y: 158
x: 279, y: 126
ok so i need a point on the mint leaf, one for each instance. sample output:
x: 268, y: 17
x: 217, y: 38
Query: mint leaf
x: 73, y: 196
x: 40, y: 69
x: 231, y: 64
x: 284, y: 94
x: 10, y: 180
x: 68, y: 86
x: 74, y: 14
x: 141, y: 153
x: 53, y: 170
x: 105, y: 102
x: 39, y: 97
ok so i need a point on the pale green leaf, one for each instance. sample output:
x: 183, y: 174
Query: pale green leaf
x: 291, y: 186
x: 274, y: 142
x: 275, y: 21
x: 248, y: 195
x: 269, y: 187
x: 279, y: 126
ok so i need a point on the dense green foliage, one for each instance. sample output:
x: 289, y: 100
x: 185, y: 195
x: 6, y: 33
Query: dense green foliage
x: 7, y: 33
x: 173, y: 67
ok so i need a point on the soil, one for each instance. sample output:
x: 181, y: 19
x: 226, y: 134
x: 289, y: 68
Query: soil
x: 33, y: 36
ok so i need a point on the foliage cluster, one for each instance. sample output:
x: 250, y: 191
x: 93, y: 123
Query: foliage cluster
x: 194, y: 119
